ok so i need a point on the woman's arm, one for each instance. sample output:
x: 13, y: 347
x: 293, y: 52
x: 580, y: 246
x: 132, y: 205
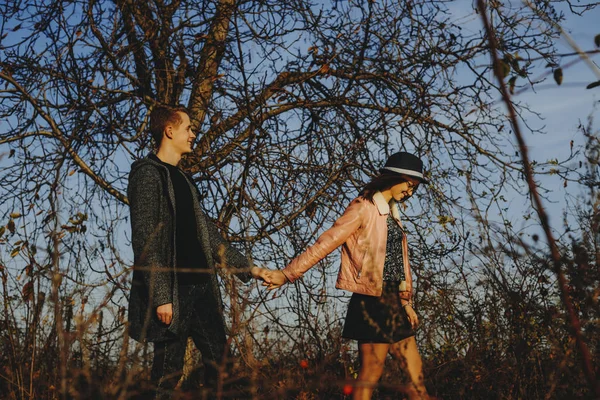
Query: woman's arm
x: 331, y: 239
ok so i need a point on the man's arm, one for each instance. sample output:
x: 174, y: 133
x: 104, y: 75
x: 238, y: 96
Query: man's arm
x: 223, y: 251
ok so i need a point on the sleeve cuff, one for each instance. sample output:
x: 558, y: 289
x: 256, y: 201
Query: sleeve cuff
x: 287, y: 276
x: 161, y: 300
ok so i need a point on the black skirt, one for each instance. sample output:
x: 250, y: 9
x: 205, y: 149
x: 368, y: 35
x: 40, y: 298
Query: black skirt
x: 374, y: 319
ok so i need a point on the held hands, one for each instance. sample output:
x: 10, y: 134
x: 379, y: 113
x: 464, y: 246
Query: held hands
x: 272, y: 279
x: 165, y: 313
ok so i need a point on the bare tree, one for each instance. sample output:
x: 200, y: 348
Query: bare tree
x: 297, y: 102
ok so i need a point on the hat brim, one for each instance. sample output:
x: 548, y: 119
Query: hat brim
x: 410, y: 173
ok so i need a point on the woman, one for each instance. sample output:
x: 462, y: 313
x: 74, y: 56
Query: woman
x: 375, y: 267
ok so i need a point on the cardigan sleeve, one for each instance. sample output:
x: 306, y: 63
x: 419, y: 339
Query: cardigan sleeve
x: 226, y: 253
x: 148, y: 234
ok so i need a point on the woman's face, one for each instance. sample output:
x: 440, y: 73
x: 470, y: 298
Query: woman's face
x: 402, y: 191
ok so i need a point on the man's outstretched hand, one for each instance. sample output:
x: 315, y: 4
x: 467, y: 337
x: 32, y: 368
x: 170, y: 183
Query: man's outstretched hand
x: 259, y: 274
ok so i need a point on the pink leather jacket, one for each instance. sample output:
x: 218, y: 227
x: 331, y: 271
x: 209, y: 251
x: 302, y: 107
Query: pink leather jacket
x: 362, y: 233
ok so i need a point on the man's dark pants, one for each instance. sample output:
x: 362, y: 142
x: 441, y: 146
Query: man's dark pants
x: 201, y: 319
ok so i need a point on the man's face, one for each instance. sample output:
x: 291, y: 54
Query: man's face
x: 182, y: 136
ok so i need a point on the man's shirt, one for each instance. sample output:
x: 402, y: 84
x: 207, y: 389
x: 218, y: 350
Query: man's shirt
x: 189, y: 252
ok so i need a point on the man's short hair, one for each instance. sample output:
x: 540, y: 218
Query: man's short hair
x: 161, y: 116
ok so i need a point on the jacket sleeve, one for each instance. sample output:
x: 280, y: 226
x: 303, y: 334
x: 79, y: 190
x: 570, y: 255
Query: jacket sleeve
x: 331, y: 239
x: 226, y: 253
x: 405, y: 290
x: 147, y: 233
x: 406, y: 294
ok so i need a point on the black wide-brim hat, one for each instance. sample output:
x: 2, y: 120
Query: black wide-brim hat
x: 406, y: 164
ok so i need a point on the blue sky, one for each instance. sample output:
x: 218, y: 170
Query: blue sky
x: 560, y: 108
x: 563, y: 108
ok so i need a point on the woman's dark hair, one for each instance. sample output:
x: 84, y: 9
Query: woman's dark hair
x: 383, y: 181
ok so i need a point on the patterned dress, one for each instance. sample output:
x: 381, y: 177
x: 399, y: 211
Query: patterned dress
x: 372, y: 319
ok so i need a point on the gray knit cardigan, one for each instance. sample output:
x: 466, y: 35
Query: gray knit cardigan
x: 152, y: 207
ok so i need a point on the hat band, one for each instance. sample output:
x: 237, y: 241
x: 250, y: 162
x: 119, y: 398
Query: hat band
x: 408, y: 172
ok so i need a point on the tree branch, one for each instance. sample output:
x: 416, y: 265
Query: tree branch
x: 573, y: 320
x: 210, y: 60
x: 56, y: 133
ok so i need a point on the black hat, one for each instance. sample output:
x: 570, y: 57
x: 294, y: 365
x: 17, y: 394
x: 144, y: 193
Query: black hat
x: 406, y: 164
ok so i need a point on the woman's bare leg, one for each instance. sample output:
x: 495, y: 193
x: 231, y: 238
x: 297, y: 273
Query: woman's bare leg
x: 406, y: 352
x: 372, y: 361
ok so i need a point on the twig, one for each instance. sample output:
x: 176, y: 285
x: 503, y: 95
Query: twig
x: 573, y: 320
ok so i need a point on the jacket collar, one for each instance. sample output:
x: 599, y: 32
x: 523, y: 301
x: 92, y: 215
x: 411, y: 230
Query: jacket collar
x: 385, y: 208
x: 382, y: 205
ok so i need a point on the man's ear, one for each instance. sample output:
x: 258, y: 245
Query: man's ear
x: 168, y: 132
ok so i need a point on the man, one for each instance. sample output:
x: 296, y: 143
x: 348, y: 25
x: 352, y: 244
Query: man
x: 174, y: 292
